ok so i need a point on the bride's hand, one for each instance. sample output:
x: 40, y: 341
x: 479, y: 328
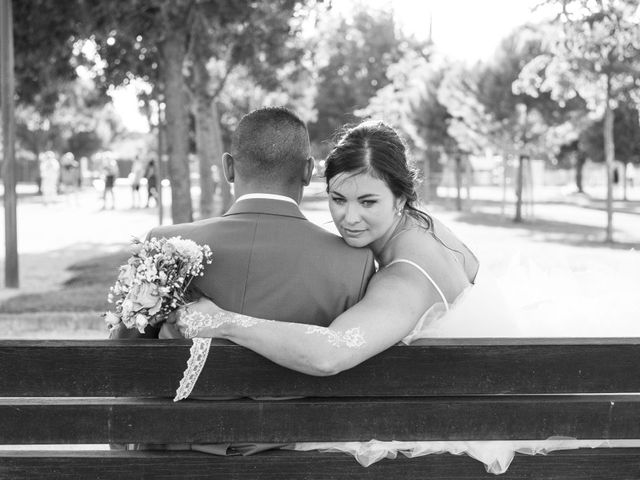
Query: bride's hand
x: 199, y: 318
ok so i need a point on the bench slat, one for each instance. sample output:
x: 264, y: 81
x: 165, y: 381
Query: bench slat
x: 604, y: 464
x: 62, y: 421
x: 441, y: 367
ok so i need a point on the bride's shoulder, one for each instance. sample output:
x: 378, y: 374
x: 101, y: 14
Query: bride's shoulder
x: 418, y: 245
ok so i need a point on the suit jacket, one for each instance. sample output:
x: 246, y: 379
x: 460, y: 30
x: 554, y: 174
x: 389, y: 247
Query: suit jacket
x: 269, y: 261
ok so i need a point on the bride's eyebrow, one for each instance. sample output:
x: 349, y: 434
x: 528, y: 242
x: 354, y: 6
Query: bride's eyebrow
x: 368, y: 195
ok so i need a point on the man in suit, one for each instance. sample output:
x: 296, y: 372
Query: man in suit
x: 268, y: 259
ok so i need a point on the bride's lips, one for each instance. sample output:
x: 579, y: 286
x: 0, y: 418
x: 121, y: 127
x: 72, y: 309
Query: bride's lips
x: 352, y: 232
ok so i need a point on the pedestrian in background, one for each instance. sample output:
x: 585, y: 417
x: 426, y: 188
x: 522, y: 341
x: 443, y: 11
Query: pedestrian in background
x: 109, y: 173
x: 50, y: 175
x: 136, y: 175
x: 151, y: 175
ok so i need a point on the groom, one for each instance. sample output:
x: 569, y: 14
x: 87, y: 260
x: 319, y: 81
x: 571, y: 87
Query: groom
x: 269, y: 261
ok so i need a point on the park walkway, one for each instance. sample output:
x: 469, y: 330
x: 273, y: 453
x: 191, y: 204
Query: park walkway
x: 564, y: 234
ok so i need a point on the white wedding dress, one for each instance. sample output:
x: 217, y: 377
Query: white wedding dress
x: 481, y: 310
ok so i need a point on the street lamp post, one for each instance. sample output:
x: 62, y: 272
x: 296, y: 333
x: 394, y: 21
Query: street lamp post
x: 7, y: 87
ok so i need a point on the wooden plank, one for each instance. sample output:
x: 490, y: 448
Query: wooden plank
x: 441, y: 367
x: 583, y: 464
x: 69, y: 421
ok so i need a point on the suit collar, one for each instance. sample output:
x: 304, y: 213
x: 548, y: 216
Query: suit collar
x: 266, y: 206
x: 271, y: 196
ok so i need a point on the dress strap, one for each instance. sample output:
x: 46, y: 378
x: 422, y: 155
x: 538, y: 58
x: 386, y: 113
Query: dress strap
x: 424, y: 272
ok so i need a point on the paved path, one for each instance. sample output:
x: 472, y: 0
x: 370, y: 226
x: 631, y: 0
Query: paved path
x: 564, y: 237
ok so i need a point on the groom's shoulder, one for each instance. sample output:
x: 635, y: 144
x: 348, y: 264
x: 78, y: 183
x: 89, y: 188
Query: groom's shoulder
x: 183, y: 229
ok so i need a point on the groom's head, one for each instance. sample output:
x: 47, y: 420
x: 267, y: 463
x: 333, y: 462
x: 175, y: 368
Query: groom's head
x: 270, y: 153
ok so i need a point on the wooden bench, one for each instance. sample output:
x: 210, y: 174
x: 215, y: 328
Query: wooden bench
x: 98, y: 392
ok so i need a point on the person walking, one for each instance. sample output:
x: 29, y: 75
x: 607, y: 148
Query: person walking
x: 50, y: 175
x: 136, y: 175
x: 109, y: 173
x: 151, y: 175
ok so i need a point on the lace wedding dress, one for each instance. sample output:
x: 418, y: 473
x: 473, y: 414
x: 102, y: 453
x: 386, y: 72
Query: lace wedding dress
x: 481, y: 310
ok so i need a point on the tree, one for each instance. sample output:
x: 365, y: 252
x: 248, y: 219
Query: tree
x: 535, y: 125
x: 80, y: 121
x: 44, y: 35
x: 410, y: 103
x: 353, y: 61
x: 626, y: 138
x: 595, y: 54
x: 489, y: 111
x: 259, y: 38
x: 170, y: 44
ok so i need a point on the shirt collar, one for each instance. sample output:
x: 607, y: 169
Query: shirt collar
x: 266, y: 196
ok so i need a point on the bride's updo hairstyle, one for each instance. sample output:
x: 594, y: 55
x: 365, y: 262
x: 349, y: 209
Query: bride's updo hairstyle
x: 375, y: 148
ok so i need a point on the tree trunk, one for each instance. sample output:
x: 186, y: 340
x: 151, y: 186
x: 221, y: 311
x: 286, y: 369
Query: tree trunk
x: 624, y: 181
x: 205, y: 141
x: 225, y: 188
x: 580, y: 161
x: 468, y: 175
x: 161, y: 167
x: 177, y: 121
x: 206, y: 149
x: 609, y: 149
x: 458, y: 174
x: 519, y: 187
x: 505, y: 165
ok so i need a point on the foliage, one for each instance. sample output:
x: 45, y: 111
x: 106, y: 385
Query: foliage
x: 593, y: 52
x: 410, y: 103
x: 531, y: 124
x: 470, y: 124
x: 172, y: 44
x: 353, y: 60
x: 44, y: 33
x: 395, y: 103
x: 626, y: 134
x: 79, y: 121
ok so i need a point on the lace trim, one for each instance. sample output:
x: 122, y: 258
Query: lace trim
x: 351, y: 338
x: 196, y: 321
x: 197, y: 358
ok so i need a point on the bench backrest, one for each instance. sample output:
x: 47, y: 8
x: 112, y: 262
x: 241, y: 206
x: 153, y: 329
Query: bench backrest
x: 459, y: 389
x: 88, y: 392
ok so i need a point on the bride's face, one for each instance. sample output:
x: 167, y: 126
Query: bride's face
x: 363, y: 209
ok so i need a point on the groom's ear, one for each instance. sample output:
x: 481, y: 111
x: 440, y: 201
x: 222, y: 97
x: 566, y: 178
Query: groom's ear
x: 309, y: 166
x: 227, y: 166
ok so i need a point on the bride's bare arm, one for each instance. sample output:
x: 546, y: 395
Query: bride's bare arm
x: 395, y: 300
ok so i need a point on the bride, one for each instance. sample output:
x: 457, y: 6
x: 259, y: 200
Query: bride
x: 423, y: 267
x: 424, y: 286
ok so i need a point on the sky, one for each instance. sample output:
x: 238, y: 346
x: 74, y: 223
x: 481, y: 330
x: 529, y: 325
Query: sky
x: 467, y: 30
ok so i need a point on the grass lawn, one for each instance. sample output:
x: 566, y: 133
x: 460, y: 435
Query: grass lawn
x: 86, y: 290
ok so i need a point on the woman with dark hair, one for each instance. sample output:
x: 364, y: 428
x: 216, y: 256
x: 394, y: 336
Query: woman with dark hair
x: 423, y: 267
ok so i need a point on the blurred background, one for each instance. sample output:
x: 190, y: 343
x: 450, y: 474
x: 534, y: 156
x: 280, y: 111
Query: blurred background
x: 523, y: 118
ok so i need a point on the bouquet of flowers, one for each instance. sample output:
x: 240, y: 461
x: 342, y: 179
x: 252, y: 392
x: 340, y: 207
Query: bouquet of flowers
x: 154, y: 281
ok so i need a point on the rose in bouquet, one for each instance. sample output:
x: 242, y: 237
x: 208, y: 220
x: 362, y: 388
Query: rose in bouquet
x: 154, y: 281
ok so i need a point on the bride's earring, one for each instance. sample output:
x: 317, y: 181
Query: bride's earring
x: 399, y: 212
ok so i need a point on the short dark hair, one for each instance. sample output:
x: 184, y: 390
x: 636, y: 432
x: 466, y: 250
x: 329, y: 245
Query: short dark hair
x: 270, y: 145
